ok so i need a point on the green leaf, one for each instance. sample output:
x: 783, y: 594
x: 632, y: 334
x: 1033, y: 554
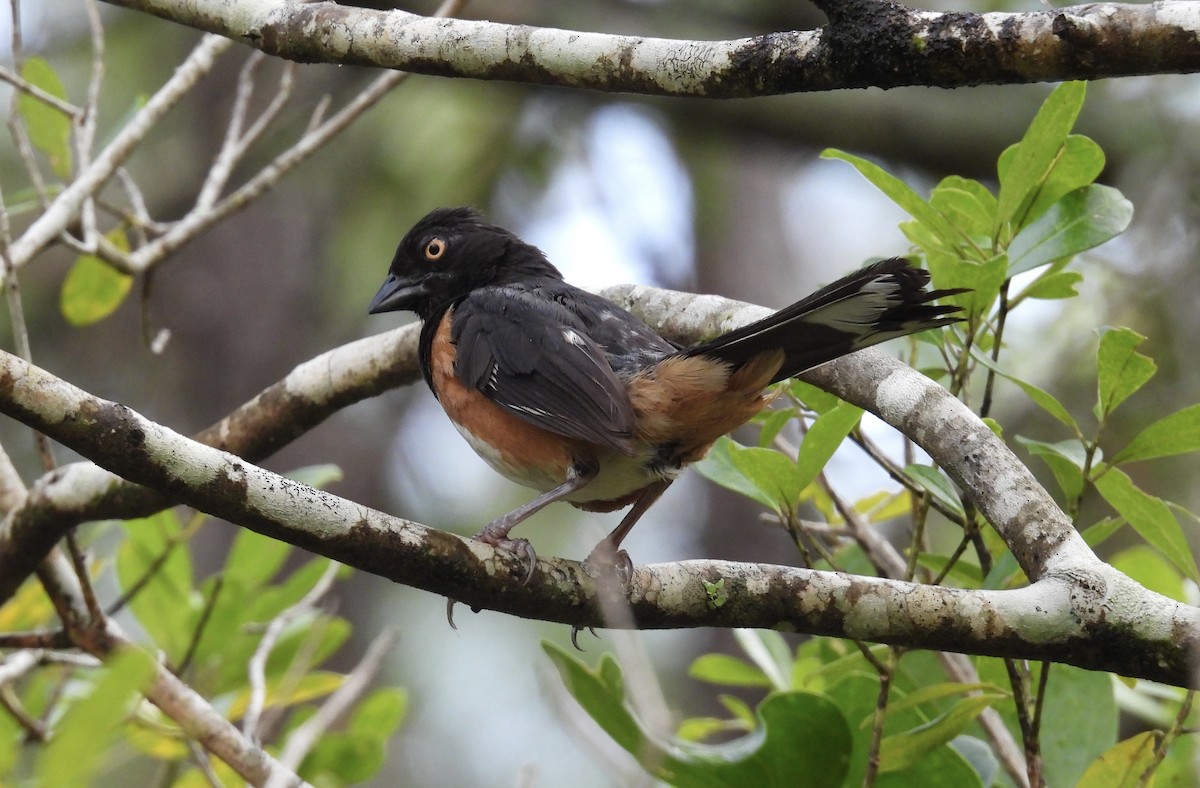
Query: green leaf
x: 813, y: 398
x: 1041, y: 398
x: 1035, y: 155
x: 1148, y: 567
x: 822, y: 440
x: 84, y: 737
x: 968, y: 205
x: 937, y: 484
x: 381, y: 713
x: 740, y: 710
x: 902, y: 750
x: 254, y: 559
x: 288, y: 691
x: 1079, y: 221
x: 1150, y: 517
x: 726, y: 670
x: 1122, y: 765
x: 949, y: 270
x: 93, y: 289
x: 903, y: 195
x: 317, y: 476
x: 1065, y: 460
x: 229, y: 640
x: 49, y: 130
x: 1098, y: 532
x: 697, y: 729
x: 932, y: 692
x: 1079, y: 163
x: 1053, y: 285
x: 1079, y: 717
x: 1178, y: 433
x: 764, y: 475
x: 771, y: 422
x: 1121, y: 370
x: 856, y: 694
x: 769, y: 652
x: 344, y: 759
x: 601, y: 694
x: 799, y: 733
x: 166, y: 603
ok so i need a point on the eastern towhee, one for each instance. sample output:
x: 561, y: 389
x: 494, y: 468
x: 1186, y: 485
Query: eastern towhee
x: 566, y: 392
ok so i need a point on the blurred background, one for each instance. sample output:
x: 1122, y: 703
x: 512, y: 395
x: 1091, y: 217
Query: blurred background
x: 726, y: 197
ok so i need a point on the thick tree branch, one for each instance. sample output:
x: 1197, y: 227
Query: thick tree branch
x: 1080, y: 610
x: 278, y: 415
x: 867, y: 43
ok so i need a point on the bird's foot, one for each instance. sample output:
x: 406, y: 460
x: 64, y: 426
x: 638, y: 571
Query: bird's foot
x: 604, y: 559
x: 497, y: 536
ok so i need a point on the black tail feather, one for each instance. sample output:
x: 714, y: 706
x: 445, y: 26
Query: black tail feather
x: 884, y: 300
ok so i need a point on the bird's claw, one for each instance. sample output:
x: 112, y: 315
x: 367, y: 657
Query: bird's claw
x: 575, y: 630
x: 520, y: 549
x: 604, y: 559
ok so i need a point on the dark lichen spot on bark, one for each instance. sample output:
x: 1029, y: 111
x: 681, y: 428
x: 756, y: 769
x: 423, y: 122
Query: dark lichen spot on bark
x: 304, y: 36
x: 229, y: 484
x: 869, y: 43
x: 765, y: 65
x: 1121, y: 649
x: 960, y: 50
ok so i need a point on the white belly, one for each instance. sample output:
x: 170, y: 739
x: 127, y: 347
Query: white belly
x: 618, y: 477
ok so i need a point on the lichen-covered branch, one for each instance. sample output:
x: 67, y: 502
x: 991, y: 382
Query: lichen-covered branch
x: 866, y: 43
x: 278, y: 415
x: 1079, y: 611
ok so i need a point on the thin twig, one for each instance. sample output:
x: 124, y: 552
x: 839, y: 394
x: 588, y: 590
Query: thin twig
x: 49, y: 99
x: 79, y: 561
x: 202, y: 217
x: 305, y: 737
x: 210, y: 605
x: 257, y: 667
x: 960, y: 668
x: 1179, y: 726
x: 86, y: 135
x: 35, y: 729
x: 64, y: 209
x: 879, y: 551
x: 886, y: 672
x: 897, y: 474
x: 203, y: 763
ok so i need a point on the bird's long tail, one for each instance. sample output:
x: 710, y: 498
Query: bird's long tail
x: 884, y: 300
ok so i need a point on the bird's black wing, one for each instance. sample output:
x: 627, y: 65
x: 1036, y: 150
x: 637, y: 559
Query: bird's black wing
x: 530, y: 354
x: 629, y: 344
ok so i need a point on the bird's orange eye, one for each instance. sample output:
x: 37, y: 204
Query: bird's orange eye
x: 435, y: 249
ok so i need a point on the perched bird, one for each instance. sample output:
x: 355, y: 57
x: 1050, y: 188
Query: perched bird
x: 563, y: 391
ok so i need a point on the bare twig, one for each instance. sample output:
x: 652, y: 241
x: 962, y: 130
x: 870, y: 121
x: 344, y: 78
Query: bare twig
x: 257, y: 667
x: 304, y: 737
x: 1178, y: 726
x: 49, y: 99
x: 85, y: 135
x: 66, y: 205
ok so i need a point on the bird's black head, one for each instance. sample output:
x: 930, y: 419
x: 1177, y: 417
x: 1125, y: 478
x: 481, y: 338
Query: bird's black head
x: 449, y: 253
